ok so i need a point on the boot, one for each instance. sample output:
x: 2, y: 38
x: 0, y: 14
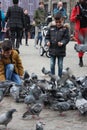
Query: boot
x: 80, y: 62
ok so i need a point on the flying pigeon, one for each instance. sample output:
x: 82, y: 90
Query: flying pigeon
x: 5, y: 118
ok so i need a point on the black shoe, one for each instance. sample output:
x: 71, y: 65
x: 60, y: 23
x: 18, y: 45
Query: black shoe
x: 80, y: 62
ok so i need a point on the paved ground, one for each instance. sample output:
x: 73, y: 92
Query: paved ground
x: 33, y: 62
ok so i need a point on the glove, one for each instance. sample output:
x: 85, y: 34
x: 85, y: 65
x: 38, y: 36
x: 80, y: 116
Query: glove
x: 78, y: 17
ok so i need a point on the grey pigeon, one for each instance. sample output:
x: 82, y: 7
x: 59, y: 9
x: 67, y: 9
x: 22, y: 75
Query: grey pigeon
x: 14, y: 91
x: 36, y: 109
x: 1, y: 95
x: 5, y: 118
x: 44, y: 71
x: 29, y: 99
x: 26, y: 75
x: 61, y: 107
x: 39, y: 125
x: 81, y: 105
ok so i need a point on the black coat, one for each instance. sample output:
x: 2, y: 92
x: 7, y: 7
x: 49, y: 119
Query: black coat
x: 27, y: 22
x: 15, y: 15
x: 55, y: 35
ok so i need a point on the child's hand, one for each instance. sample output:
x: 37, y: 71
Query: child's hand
x: 48, y: 43
x: 60, y: 43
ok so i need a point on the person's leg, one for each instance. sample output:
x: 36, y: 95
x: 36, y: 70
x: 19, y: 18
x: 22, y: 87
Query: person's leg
x: 12, y: 36
x: 52, y: 64
x: 26, y: 37
x: 9, y: 71
x: 60, y: 65
x: 18, y: 36
x: 16, y: 78
x: 36, y: 35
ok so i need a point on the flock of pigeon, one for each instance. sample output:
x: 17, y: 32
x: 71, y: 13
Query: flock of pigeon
x: 58, y: 94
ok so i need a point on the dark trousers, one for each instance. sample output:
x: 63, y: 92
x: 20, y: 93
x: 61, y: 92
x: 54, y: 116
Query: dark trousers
x: 26, y: 36
x: 15, y: 34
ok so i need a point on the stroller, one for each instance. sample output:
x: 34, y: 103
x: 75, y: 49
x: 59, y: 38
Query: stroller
x: 44, y: 49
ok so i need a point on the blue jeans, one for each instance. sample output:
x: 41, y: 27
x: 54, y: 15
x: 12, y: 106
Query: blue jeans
x: 11, y: 75
x: 59, y: 63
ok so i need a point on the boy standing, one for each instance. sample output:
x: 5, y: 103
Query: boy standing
x: 57, y: 37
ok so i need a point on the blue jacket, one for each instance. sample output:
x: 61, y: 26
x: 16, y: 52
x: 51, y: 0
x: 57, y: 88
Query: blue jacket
x: 62, y: 10
x: 2, y: 19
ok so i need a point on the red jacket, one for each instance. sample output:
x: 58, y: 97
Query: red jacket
x: 78, y: 30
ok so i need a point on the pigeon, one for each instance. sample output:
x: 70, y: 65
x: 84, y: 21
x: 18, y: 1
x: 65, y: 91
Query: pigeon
x: 36, y: 108
x: 1, y: 95
x: 61, y: 107
x: 81, y: 105
x: 26, y: 75
x: 44, y: 71
x: 39, y: 125
x: 5, y: 118
x: 29, y: 100
x: 14, y: 91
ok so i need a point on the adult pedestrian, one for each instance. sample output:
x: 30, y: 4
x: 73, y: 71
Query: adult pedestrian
x: 79, y: 18
x: 11, y: 67
x: 27, y: 26
x: 60, y: 9
x: 2, y: 23
x: 15, y: 15
x: 57, y: 38
x: 39, y: 18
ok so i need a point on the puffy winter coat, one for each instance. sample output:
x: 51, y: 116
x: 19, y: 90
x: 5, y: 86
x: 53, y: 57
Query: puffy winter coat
x: 14, y: 59
x: 55, y: 35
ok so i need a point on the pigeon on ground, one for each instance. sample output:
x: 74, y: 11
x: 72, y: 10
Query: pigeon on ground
x: 26, y: 75
x: 5, y: 118
x: 61, y: 107
x: 81, y: 105
x: 14, y: 91
x: 29, y: 100
x: 36, y: 108
x: 39, y: 125
x: 1, y: 95
x: 44, y: 71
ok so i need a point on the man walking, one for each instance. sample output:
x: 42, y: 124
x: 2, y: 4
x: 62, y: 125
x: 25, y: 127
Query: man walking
x: 15, y: 16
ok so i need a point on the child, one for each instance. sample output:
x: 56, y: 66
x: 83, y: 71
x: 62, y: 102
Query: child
x: 56, y: 38
x: 11, y: 67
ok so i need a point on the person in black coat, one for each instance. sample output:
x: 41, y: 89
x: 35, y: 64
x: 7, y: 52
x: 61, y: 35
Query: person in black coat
x: 15, y: 15
x: 57, y: 38
x: 27, y: 26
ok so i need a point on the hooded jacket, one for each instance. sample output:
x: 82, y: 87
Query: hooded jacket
x: 55, y: 35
